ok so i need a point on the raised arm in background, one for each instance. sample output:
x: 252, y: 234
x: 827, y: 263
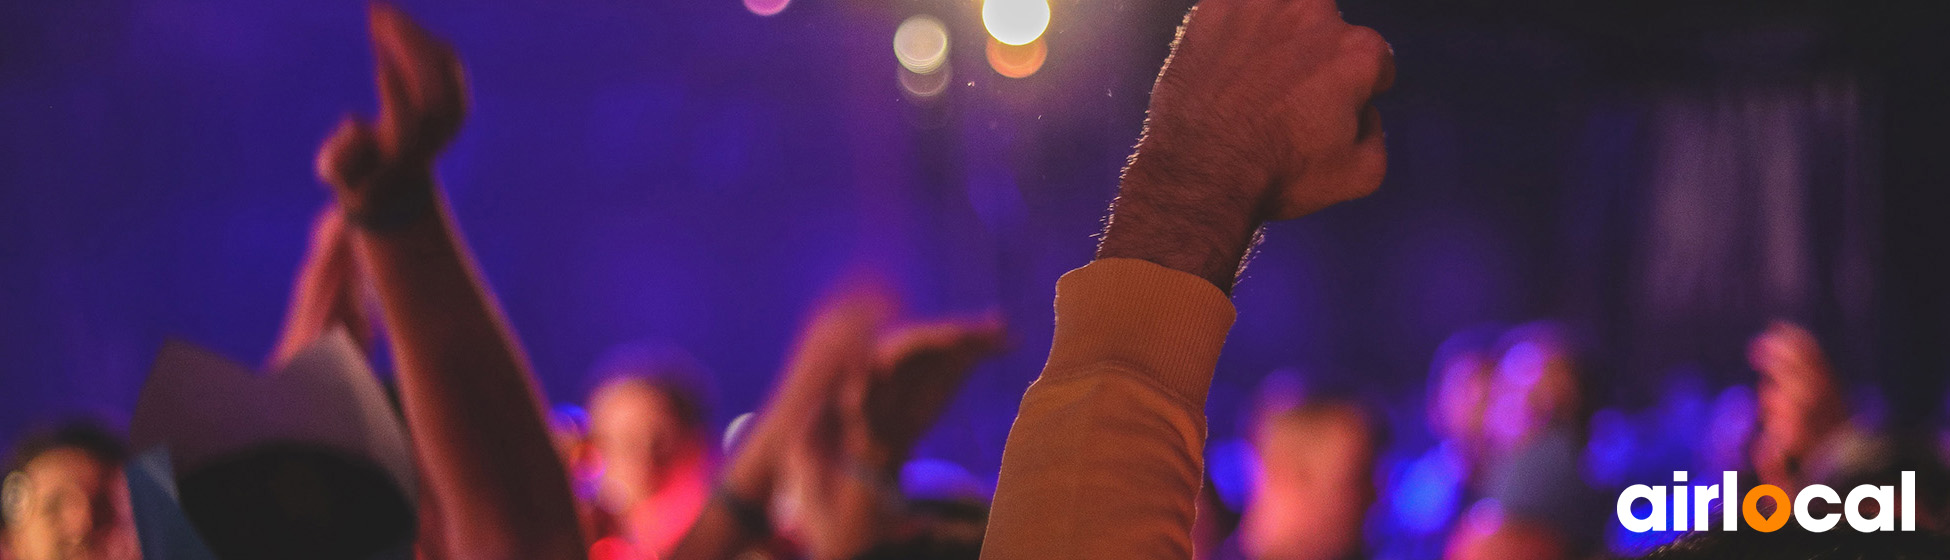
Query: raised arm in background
x: 1261, y: 113
x: 327, y: 294
x: 471, y: 404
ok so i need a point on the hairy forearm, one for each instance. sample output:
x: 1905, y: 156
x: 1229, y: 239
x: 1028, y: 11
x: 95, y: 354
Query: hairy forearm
x: 470, y: 402
x: 1183, y: 215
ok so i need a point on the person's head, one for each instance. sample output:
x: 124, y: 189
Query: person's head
x: 1459, y: 384
x: 1799, y: 400
x: 308, y: 462
x: 64, y: 497
x: 1537, y: 385
x: 1317, y: 481
x: 297, y: 500
x: 647, y: 420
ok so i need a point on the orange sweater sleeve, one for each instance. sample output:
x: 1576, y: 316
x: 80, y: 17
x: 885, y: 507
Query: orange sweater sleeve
x: 1105, y: 457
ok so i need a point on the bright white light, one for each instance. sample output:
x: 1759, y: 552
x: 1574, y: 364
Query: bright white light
x: 1015, y: 22
x: 921, y: 44
x: 766, y: 7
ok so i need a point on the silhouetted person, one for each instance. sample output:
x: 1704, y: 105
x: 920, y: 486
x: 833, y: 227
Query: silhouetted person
x: 652, y: 447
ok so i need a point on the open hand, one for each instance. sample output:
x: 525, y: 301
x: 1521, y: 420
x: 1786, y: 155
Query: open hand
x: 919, y: 369
x: 854, y: 399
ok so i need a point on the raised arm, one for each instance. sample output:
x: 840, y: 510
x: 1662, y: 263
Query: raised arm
x: 1261, y: 113
x: 846, y: 412
x: 326, y: 294
x: 472, y: 406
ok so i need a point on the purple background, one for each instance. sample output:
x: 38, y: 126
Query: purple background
x: 1666, y: 175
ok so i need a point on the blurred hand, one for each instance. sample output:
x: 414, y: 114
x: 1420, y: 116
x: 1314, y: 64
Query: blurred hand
x: 785, y: 460
x: 918, y: 371
x: 854, y: 399
x: 376, y: 166
x: 1261, y: 113
x: 846, y: 473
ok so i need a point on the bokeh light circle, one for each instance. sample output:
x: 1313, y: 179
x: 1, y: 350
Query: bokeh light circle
x: 1015, y: 22
x: 925, y: 86
x: 921, y: 44
x: 1017, y: 61
x: 766, y: 7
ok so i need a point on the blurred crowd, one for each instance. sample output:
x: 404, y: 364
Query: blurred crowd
x: 461, y: 457
x: 1524, y: 464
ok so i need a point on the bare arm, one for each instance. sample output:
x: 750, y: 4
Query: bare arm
x: 326, y: 294
x: 836, y: 341
x: 471, y: 403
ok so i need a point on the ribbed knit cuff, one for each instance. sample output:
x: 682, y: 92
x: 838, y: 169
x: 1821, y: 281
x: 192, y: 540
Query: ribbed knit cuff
x: 1165, y: 323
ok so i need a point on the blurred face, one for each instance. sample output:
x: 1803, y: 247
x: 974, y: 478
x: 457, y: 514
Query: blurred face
x: 635, y: 436
x: 1316, y: 488
x: 1460, y: 396
x: 1535, y: 386
x: 1798, y: 400
x: 69, y: 507
x: 1796, y: 393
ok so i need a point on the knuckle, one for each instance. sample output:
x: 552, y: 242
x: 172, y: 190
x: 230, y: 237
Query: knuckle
x: 1365, y: 56
x: 1206, y: 10
x: 1372, y: 167
x: 1364, y: 41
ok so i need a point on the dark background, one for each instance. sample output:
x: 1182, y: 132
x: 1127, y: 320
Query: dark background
x: 1664, y: 175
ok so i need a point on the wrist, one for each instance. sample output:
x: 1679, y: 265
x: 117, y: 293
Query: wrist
x: 876, y: 460
x: 749, y: 477
x: 1200, y: 219
x: 391, y: 201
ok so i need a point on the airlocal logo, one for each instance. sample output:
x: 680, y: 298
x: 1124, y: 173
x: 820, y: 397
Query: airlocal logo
x: 1727, y: 494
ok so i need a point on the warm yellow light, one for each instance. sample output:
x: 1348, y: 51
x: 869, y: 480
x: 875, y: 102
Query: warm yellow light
x: 1017, y: 61
x: 924, y: 86
x: 921, y: 44
x: 1015, y: 22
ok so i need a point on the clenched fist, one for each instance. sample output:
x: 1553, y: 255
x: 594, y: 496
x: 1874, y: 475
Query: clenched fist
x: 1261, y: 113
x: 382, y: 171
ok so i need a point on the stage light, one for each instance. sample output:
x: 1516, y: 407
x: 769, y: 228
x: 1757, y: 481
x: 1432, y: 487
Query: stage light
x: 1015, y: 22
x: 921, y: 44
x: 927, y: 85
x: 766, y: 7
x: 1017, y: 61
